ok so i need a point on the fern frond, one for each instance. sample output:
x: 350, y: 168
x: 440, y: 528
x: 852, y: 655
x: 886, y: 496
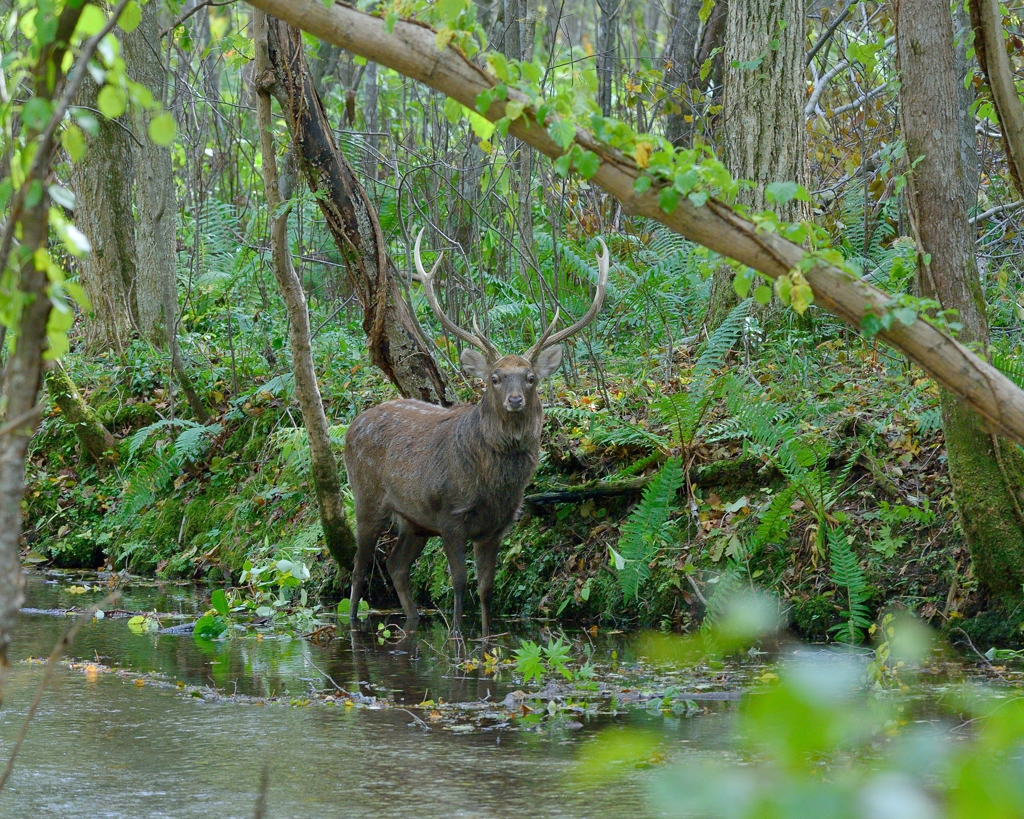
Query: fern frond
x: 848, y: 575
x: 643, y: 532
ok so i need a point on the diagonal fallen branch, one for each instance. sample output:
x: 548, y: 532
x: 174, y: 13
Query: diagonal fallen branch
x: 411, y: 50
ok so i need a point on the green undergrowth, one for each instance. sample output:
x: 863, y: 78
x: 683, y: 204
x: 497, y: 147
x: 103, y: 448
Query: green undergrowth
x: 804, y: 459
x: 830, y: 491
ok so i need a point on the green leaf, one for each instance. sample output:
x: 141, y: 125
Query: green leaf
x: 209, y: 627
x: 73, y: 141
x: 162, y: 129
x: 112, y: 101
x: 642, y: 184
x: 588, y: 164
x: 762, y: 294
x: 36, y: 113
x: 484, y: 100
x: 781, y: 192
x: 91, y: 22
x: 668, y: 198
x: 562, y: 165
x: 563, y: 132
x: 219, y: 601
x: 514, y: 109
x: 905, y: 315
x: 130, y: 17
x: 686, y: 180
x: 698, y: 198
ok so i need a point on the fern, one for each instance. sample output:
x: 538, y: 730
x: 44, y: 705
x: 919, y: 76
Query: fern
x: 643, y: 533
x: 848, y: 576
x: 774, y: 524
x: 1012, y: 368
x: 685, y: 411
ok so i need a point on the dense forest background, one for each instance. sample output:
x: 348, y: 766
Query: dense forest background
x: 710, y: 429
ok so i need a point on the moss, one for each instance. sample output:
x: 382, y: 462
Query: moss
x: 126, y: 417
x: 988, y: 486
x: 985, y: 630
x: 814, y: 616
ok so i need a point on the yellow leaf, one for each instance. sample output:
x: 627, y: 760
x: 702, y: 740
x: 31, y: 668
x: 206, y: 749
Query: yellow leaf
x: 642, y: 153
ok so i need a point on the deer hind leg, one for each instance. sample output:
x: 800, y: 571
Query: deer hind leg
x: 485, y: 554
x: 409, y: 547
x: 455, y: 551
x: 368, y: 530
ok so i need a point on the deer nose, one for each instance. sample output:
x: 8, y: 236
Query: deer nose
x: 514, y: 402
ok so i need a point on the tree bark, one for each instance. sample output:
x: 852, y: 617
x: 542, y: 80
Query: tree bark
x: 26, y: 364
x: 607, y: 53
x: 392, y: 338
x: 411, y: 50
x: 681, y: 74
x: 990, y: 48
x: 155, y: 206
x: 324, y: 466
x: 765, y: 136
x: 987, y: 475
x: 95, y: 440
x: 102, y: 181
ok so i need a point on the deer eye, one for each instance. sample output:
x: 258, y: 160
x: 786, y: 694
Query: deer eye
x: 495, y: 379
x: 530, y: 379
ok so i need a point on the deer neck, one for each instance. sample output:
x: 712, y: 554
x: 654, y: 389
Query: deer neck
x: 508, y: 432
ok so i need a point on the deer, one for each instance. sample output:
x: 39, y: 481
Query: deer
x: 459, y: 473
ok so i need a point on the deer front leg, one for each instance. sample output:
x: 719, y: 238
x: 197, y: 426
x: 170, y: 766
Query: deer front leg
x: 485, y: 553
x: 455, y: 551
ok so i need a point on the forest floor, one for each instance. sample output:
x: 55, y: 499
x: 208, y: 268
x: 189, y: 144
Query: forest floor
x: 838, y: 435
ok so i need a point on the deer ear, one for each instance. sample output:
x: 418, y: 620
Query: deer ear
x: 474, y: 363
x: 548, y: 361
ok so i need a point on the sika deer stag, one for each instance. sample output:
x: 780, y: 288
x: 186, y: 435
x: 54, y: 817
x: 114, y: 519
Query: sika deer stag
x: 458, y: 473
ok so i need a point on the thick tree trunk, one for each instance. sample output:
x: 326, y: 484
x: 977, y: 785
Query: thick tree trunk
x: 155, y: 205
x: 765, y: 136
x: 392, y: 339
x: 96, y: 441
x: 102, y: 181
x: 987, y: 475
x: 411, y: 49
x: 324, y: 466
x: 681, y: 73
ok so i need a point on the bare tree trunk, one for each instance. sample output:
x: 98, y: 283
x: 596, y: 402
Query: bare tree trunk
x: 392, y: 337
x: 25, y: 369
x: 764, y: 124
x: 371, y: 116
x: 324, y: 466
x: 156, y: 209
x: 155, y: 206
x: 987, y: 474
x: 681, y: 73
x: 102, y: 181
x: 607, y: 51
x: 95, y: 440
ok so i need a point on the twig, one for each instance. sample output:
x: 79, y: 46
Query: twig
x: 63, y: 644
x: 988, y: 214
x: 193, y: 10
x: 419, y: 722
x: 331, y: 680
x: 824, y: 38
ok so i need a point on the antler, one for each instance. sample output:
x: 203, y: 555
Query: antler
x: 548, y: 340
x: 480, y: 340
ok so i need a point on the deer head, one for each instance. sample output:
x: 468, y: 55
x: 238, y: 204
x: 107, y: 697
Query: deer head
x: 511, y: 380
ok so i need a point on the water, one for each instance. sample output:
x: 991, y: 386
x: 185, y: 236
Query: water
x: 102, y: 745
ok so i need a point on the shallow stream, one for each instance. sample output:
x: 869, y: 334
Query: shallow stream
x: 161, y: 725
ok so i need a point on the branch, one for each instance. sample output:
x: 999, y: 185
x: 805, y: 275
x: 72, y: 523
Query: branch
x: 827, y: 34
x: 411, y: 50
x: 998, y: 209
x: 987, y: 22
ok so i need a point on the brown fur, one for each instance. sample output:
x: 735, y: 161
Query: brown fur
x: 458, y: 473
